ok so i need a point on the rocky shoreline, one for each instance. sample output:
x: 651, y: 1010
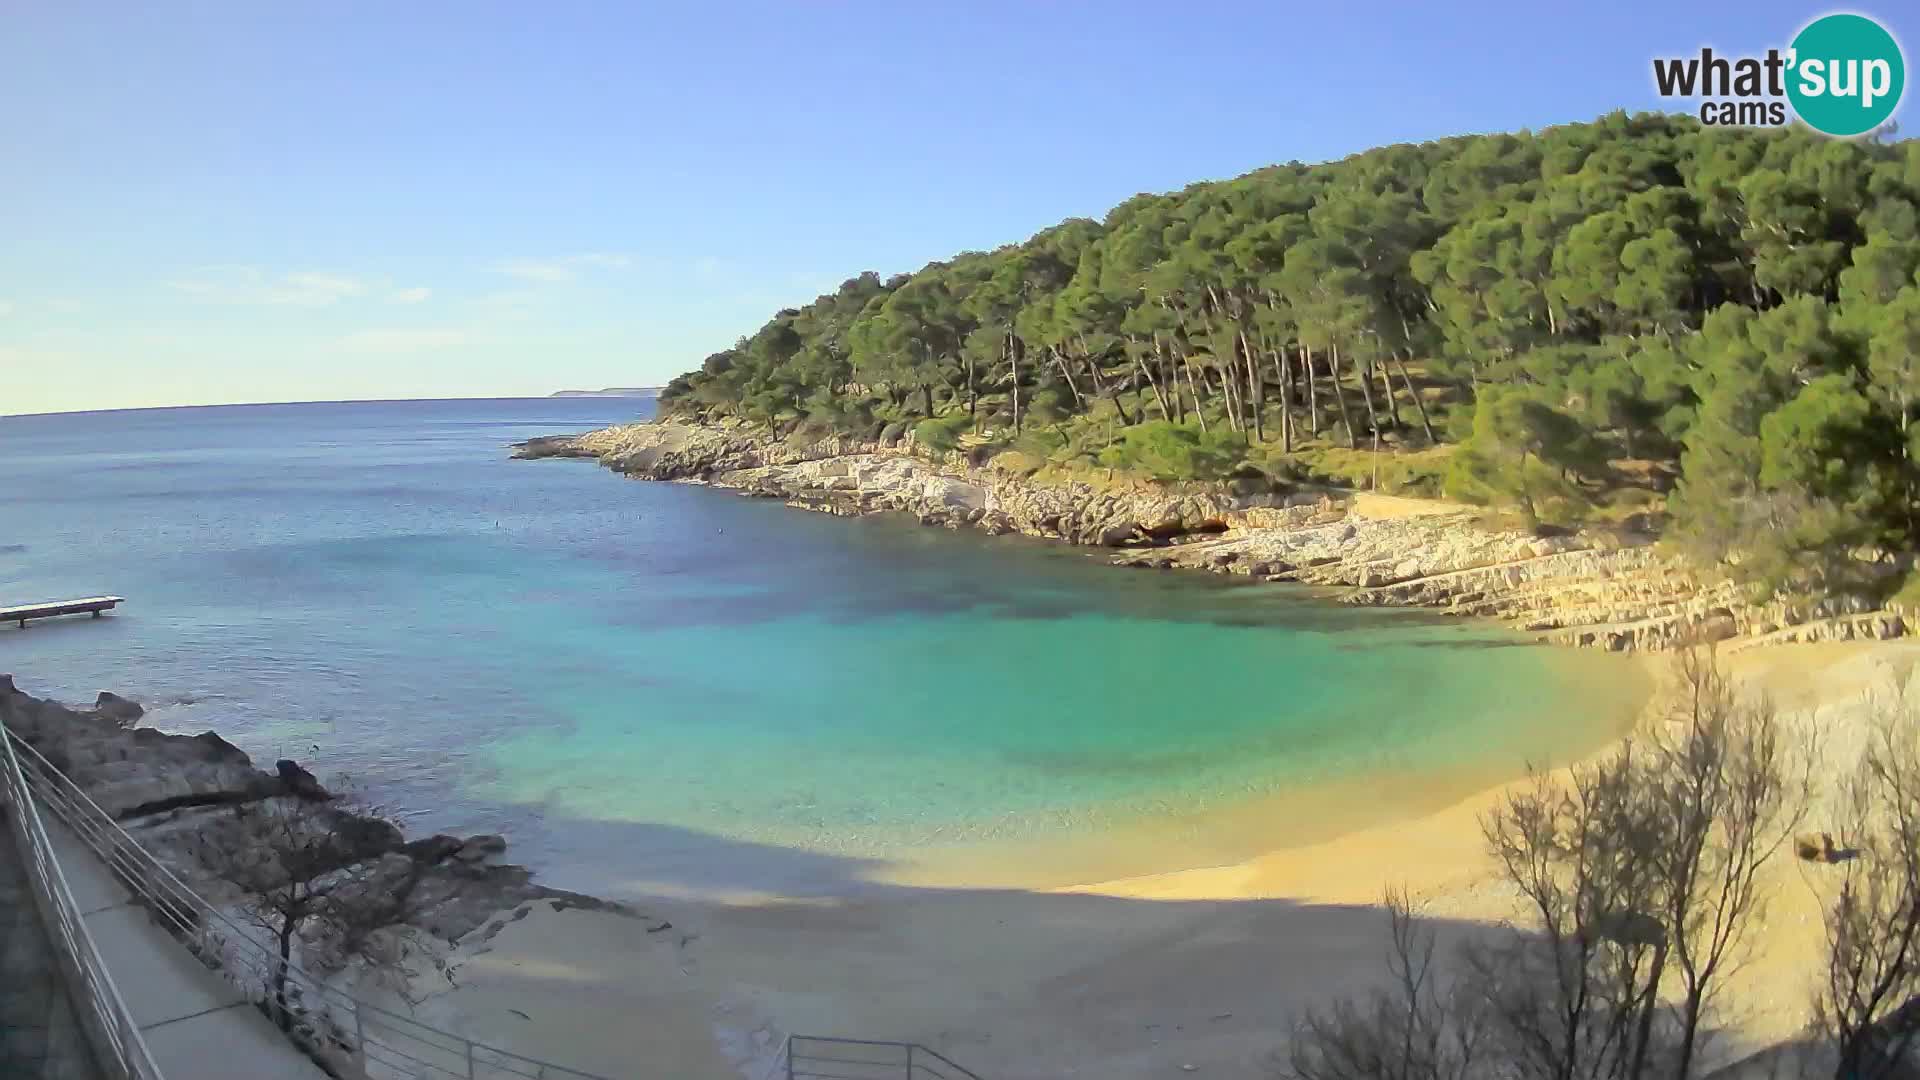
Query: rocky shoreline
x: 1604, y: 588
x: 167, y: 791
x: 423, y: 906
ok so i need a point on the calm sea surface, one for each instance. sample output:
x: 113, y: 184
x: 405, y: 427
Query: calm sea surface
x: 655, y: 686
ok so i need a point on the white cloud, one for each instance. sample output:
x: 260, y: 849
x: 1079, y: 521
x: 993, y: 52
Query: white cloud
x: 562, y: 267
x: 314, y: 287
x: 252, y: 285
x: 404, y: 339
x: 410, y: 296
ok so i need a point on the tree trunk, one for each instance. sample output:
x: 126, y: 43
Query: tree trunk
x: 282, y: 1016
x: 1230, y: 390
x: 1093, y: 371
x: 1386, y: 393
x: 1906, y: 453
x: 1426, y: 425
x: 1173, y: 384
x: 1339, y: 392
x: 1199, y: 409
x: 1689, y: 1032
x: 1066, y: 372
x: 1643, y: 1027
x: 1286, y: 400
x: 1165, y: 412
x: 926, y: 389
x: 1107, y: 388
x: 1359, y: 376
x: 1170, y: 376
x: 1313, y: 392
x: 1257, y: 389
x: 1013, y: 362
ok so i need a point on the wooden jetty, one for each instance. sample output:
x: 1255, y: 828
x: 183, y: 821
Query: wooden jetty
x: 86, y: 604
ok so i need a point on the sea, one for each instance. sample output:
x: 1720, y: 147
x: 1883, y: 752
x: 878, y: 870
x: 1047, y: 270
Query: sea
x: 655, y: 688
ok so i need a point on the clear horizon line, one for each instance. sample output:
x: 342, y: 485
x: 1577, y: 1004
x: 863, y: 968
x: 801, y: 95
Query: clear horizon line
x: 555, y: 395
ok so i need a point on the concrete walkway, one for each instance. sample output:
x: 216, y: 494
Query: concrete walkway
x: 196, y: 1024
x: 40, y: 1038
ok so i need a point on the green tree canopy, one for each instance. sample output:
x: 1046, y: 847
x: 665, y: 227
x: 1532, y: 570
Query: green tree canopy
x: 1737, y: 306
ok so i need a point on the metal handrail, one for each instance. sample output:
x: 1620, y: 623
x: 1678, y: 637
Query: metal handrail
x: 117, y: 1043
x: 866, y: 1059
x: 366, y: 1036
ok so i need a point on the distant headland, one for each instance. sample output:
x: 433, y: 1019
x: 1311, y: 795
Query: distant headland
x: 611, y: 391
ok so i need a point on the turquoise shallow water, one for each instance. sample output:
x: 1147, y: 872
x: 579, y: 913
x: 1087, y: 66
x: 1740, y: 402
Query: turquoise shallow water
x: 659, y: 683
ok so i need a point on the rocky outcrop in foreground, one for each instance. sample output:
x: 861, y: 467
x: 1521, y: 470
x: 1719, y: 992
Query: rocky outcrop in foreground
x: 385, y: 920
x: 1606, y: 589
x: 172, y: 792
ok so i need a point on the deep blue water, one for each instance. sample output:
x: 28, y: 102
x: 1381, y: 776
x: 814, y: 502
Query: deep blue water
x: 660, y: 686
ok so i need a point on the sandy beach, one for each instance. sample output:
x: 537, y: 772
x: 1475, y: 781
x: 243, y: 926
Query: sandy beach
x: 1191, y: 972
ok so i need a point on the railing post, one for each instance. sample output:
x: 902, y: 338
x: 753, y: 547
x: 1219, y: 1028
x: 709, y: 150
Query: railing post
x: 470, y: 1075
x: 359, y: 1038
x: 789, y: 1057
x: 909, y: 1061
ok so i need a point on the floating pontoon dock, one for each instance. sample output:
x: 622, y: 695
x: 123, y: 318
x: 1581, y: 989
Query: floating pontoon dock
x: 85, y: 605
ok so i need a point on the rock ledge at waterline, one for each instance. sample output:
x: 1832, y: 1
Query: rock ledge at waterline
x: 1601, y: 588
x: 163, y: 789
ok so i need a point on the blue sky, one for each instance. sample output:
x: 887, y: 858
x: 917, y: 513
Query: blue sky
x: 266, y: 202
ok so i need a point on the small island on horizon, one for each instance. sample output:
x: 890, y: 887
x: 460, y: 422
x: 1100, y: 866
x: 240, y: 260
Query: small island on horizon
x: 611, y: 391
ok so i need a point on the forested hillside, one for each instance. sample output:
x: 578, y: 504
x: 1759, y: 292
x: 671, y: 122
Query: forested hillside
x: 1716, y: 328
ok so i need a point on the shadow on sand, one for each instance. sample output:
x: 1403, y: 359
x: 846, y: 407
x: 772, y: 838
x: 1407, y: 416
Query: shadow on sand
x: 1011, y: 983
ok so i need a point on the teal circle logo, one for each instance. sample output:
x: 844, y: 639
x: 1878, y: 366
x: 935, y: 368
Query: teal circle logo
x: 1846, y: 75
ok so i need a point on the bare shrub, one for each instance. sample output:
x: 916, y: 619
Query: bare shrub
x: 1865, y: 1000
x: 1416, y: 1029
x: 1638, y: 879
x: 310, y: 869
x: 1730, y: 784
